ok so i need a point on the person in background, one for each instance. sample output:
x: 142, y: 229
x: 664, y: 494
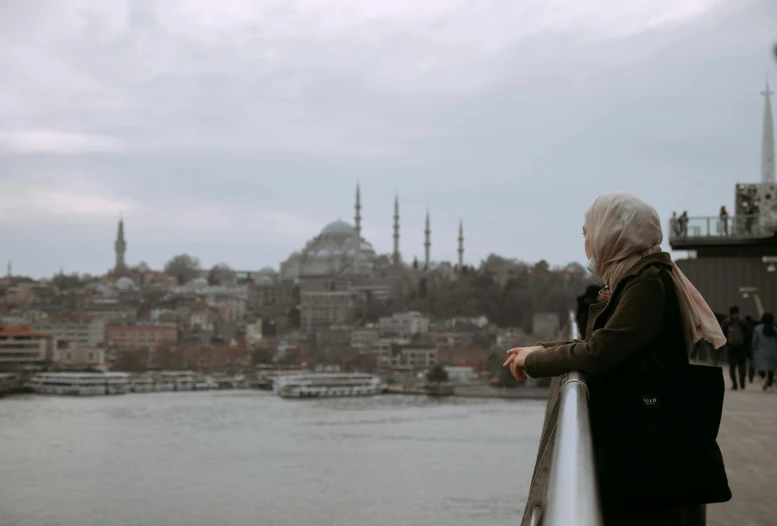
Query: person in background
x: 737, y: 345
x: 674, y: 224
x: 750, y: 365
x: 584, y: 302
x: 683, y: 224
x: 765, y: 350
x: 723, y: 221
x: 751, y: 211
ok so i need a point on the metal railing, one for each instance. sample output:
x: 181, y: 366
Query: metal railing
x: 564, y: 490
x: 713, y: 226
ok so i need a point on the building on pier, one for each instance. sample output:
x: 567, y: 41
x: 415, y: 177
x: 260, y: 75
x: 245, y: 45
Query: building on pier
x: 730, y: 253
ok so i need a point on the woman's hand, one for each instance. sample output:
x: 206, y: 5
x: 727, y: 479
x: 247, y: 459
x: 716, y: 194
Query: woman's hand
x: 516, y: 360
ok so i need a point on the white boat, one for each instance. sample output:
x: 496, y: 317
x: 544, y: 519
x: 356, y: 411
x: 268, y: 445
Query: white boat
x: 142, y: 384
x: 328, y: 385
x: 82, y: 384
x: 184, y: 383
x: 164, y: 385
x: 116, y: 383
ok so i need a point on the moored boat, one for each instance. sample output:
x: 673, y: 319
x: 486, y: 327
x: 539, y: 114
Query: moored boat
x: 328, y: 385
x: 80, y: 384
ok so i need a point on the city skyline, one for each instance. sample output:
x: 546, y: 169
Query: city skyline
x: 237, y: 136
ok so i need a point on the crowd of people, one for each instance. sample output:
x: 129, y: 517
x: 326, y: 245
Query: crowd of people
x: 679, y: 224
x: 751, y: 347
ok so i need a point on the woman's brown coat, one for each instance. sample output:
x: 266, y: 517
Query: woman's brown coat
x: 625, y: 334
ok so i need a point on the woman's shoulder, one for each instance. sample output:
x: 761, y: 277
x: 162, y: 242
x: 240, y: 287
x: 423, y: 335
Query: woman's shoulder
x: 649, y: 275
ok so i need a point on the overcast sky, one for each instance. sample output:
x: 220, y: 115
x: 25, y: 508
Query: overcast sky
x: 235, y: 130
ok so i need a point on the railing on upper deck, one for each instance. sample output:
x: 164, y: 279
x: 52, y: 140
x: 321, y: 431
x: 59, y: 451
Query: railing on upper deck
x: 736, y: 226
x: 564, y: 490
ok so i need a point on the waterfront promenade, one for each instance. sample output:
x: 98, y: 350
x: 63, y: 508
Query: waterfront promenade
x: 748, y: 439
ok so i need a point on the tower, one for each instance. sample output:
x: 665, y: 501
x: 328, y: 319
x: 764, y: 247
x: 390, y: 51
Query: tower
x: 767, y: 151
x: 358, y: 228
x: 461, y: 245
x: 395, y: 257
x: 427, y: 242
x: 9, y: 273
x: 120, y: 246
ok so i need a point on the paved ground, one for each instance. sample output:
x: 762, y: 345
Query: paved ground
x: 748, y: 439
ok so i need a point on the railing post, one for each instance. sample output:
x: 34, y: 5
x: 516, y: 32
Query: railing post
x: 573, y: 496
x: 567, y: 494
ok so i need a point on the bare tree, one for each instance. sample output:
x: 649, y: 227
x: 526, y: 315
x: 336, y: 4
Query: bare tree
x: 221, y: 274
x: 183, y: 267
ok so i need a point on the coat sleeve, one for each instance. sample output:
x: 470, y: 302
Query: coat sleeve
x: 638, y: 319
x: 557, y: 343
x: 754, y: 341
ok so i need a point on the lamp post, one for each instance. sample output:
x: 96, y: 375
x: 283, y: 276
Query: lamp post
x: 748, y: 292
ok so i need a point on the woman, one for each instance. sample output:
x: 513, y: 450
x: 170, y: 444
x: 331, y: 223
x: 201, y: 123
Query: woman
x: 622, y: 242
x: 765, y: 350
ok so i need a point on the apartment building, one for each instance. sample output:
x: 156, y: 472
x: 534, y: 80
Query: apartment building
x: 85, y: 330
x: 22, y: 349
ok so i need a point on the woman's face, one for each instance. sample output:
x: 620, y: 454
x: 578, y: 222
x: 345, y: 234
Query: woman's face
x: 588, y: 252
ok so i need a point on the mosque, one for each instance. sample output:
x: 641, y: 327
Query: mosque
x: 339, y: 250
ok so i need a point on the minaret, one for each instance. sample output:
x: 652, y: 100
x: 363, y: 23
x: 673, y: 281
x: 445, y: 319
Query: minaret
x: 358, y: 227
x: 395, y: 257
x: 461, y: 245
x: 427, y: 242
x: 120, y: 246
x: 767, y: 152
x: 9, y: 273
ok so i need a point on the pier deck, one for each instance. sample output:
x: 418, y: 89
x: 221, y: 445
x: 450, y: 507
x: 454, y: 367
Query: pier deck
x: 748, y: 439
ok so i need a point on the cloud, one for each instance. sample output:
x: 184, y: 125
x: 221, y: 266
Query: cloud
x: 236, y: 130
x: 30, y: 203
x: 329, y: 77
x: 50, y: 141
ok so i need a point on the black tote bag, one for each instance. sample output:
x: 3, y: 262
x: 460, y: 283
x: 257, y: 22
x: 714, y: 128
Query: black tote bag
x: 661, y: 430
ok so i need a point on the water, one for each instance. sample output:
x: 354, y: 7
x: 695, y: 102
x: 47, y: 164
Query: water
x: 250, y: 458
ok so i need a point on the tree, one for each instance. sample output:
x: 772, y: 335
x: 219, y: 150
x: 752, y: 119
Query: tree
x: 494, y: 364
x: 67, y: 282
x: 437, y: 374
x: 221, y: 274
x: 261, y: 354
x: 183, y: 268
x: 506, y: 378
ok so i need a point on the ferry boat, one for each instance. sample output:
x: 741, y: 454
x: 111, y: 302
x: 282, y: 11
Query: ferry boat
x: 184, y: 383
x: 142, y: 384
x: 81, y: 384
x: 164, y: 384
x: 328, y: 385
x: 176, y: 381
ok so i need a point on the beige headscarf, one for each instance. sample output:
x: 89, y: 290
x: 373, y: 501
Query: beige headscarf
x: 624, y: 229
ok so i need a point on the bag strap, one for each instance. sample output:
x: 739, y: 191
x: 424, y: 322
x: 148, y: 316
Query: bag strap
x: 673, y: 317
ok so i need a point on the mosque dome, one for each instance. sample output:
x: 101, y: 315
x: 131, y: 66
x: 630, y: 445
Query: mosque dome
x: 125, y: 283
x: 198, y: 283
x: 338, y: 227
x: 264, y: 281
x: 267, y: 271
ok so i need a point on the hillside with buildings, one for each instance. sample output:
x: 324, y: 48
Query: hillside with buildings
x: 335, y: 302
